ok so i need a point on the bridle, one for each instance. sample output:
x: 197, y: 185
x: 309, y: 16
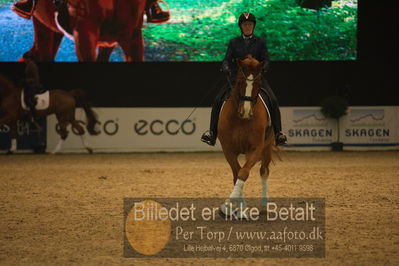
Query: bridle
x: 248, y: 98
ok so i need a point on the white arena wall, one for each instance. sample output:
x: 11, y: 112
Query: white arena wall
x: 156, y: 129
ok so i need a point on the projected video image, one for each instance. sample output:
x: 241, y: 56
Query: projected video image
x: 184, y: 30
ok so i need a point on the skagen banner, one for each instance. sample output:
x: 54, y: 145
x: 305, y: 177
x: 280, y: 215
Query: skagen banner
x: 171, y: 129
x: 360, y: 127
x: 181, y: 228
x: 307, y: 126
x: 374, y: 126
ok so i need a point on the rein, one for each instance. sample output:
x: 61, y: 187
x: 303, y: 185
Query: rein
x: 248, y: 79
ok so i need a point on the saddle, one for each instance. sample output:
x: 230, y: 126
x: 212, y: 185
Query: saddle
x: 265, y: 98
x: 42, y: 100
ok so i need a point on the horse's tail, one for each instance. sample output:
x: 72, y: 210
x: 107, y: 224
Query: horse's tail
x: 82, y: 101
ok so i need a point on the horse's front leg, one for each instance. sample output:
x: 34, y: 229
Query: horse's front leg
x: 235, y: 201
x: 238, y: 191
x: 46, y: 41
x: 86, y: 36
x: 133, y: 47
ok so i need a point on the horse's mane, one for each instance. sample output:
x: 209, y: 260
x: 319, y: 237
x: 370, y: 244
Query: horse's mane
x: 6, y: 85
x: 250, y: 61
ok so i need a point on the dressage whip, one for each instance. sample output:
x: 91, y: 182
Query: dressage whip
x: 202, y: 100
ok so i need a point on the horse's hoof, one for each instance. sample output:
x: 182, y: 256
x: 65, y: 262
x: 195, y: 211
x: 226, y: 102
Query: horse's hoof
x: 9, y: 152
x: 90, y: 150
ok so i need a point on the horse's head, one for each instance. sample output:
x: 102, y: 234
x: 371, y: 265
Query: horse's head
x: 248, y: 84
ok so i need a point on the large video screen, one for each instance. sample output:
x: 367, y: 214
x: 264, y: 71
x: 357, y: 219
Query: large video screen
x: 199, y: 31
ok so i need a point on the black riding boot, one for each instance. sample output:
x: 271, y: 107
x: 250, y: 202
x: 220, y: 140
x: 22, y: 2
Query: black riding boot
x: 275, y: 114
x: 210, y: 136
x: 30, y: 101
x: 32, y: 108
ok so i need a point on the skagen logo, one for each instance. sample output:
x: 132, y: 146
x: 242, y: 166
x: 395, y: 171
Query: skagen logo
x: 158, y: 127
x: 4, y: 128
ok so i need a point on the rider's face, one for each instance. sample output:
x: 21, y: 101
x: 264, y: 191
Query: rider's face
x: 247, y: 27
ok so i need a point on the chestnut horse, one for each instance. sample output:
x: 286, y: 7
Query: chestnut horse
x: 243, y: 129
x: 62, y: 104
x: 94, y: 23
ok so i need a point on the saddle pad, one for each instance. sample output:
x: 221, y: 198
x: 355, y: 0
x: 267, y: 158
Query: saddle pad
x: 264, y: 104
x: 43, y: 101
x: 268, y: 112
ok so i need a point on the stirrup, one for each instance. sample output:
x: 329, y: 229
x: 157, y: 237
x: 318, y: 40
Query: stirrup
x: 208, y: 138
x: 281, y: 139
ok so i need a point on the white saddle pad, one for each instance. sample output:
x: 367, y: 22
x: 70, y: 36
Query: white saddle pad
x: 268, y: 112
x: 43, y: 101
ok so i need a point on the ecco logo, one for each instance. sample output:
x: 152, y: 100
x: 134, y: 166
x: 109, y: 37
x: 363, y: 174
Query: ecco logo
x: 110, y: 127
x: 158, y: 127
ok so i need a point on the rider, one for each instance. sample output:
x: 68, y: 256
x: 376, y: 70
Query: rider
x: 155, y: 14
x: 31, y: 82
x: 240, y: 47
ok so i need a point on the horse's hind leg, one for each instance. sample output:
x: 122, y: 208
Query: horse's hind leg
x: 264, y: 174
x: 11, y: 121
x: 63, y: 133
x: 13, y: 135
x: 81, y: 131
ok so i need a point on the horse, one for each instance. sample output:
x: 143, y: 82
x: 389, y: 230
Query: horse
x: 61, y: 103
x: 243, y: 128
x: 93, y: 24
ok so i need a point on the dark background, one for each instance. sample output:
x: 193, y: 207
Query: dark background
x: 366, y: 81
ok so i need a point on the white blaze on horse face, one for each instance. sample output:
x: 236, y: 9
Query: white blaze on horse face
x: 248, y: 93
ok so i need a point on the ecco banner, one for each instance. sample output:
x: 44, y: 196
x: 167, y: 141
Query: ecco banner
x: 140, y: 129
